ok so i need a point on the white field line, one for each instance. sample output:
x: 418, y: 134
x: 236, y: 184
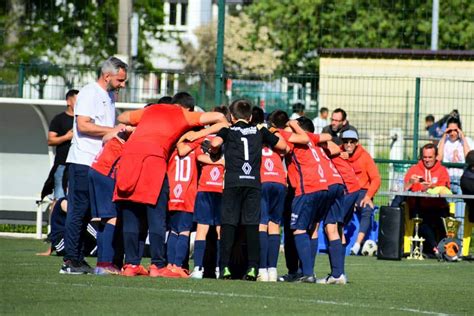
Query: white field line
x: 237, y: 295
x: 18, y: 235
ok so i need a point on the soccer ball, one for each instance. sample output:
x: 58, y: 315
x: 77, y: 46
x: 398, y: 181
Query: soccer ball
x: 369, y: 248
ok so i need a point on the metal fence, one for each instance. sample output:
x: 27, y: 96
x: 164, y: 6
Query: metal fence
x: 389, y: 112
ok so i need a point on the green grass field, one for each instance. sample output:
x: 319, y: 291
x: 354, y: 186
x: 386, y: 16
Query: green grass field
x: 32, y: 285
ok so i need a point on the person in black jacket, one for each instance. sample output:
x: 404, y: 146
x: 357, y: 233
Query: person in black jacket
x: 467, y: 187
x: 339, y: 124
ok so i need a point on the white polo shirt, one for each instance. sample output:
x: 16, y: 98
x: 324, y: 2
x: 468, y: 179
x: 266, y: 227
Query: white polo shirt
x: 99, y: 105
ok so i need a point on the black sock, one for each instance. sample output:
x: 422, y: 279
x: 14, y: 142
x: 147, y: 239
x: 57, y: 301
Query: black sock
x: 227, y: 241
x: 253, y: 245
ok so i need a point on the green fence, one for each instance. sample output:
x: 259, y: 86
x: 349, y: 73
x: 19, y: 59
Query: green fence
x: 389, y: 112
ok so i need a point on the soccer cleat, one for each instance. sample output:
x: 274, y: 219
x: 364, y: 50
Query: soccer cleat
x: 183, y: 273
x: 134, y: 270
x: 226, y: 275
x: 290, y: 277
x: 155, y: 271
x: 107, y: 270
x: 251, y: 274
x: 355, y: 249
x: 272, y: 274
x: 340, y: 280
x: 198, y: 273
x: 306, y: 279
x: 262, y: 275
x: 71, y: 267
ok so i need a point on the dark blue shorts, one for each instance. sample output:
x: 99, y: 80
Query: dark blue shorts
x: 207, y: 209
x: 350, y: 201
x: 307, y: 209
x: 181, y: 221
x: 272, y: 203
x: 101, y: 190
x: 335, y: 204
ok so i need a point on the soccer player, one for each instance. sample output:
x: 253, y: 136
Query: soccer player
x: 101, y: 190
x: 182, y: 176
x: 369, y: 181
x: 141, y: 182
x: 241, y: 196
x: 207, y: 210
x: 273, y: 177
x: 308, y: 177
x: 342, y: 205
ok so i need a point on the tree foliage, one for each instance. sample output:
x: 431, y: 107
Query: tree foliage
x: 299, y: 27
x: 76, y: 32
x: 243, y: 54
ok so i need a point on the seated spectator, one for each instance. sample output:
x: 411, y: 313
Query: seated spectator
x: 453, y: 147
x: 427, y: 174
x: 56, y: 236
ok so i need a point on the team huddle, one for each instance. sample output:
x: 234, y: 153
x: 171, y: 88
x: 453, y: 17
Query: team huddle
x: 166, y: 170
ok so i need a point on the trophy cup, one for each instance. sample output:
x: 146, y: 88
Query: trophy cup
x: 416, y: 242
x: 450, y: 247
x: 451, y: 225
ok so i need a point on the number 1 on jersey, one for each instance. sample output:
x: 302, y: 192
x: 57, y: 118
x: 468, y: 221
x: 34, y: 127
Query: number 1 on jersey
x: 246, y: 148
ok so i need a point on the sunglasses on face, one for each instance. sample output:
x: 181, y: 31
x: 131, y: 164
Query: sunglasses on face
x: 451, y: 130
x: 350, y: 141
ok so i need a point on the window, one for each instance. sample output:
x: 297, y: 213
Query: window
x: 184, y: 13
x: 172, y: 17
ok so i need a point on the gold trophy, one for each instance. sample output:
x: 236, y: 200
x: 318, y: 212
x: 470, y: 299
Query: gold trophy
x: 450, y: 247
x: 451, y: 225
x: 416, y: 242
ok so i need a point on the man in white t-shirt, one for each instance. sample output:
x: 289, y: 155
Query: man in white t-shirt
x: 321, y: 121
x: 94, y: 116
x: 453, y: 147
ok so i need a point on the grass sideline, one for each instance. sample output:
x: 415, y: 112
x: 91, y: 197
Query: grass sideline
x: 32, y: 285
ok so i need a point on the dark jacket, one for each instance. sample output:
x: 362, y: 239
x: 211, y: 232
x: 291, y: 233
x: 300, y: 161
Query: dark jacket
x: 336, y: 136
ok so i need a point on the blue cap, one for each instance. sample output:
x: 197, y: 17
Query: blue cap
x: 350, y: 134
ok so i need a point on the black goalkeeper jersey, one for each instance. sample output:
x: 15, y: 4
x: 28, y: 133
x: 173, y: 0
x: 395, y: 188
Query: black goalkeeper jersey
x: 243, y: 153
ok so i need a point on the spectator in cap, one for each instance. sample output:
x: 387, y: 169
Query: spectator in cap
x: 369, y: 181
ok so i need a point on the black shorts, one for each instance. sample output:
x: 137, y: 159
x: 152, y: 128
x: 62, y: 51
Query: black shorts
x: 241, y: 205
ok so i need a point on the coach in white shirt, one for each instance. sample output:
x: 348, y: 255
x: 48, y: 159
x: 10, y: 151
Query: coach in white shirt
x: 94, y: 116
x: 321, y: 121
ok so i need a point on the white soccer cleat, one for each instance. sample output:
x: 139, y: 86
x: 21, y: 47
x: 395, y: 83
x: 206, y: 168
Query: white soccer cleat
x: 355, y: 249
x: 262, y: 275
x: 341, y: 280
x: 272, y: 275
x: 197, y: 273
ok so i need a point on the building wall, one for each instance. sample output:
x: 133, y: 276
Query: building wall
x: 379, y: 94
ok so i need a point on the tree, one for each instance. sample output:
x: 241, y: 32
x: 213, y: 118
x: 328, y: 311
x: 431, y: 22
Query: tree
x: 299, y: 27
x: 81, y: 33
x: 246, y: 49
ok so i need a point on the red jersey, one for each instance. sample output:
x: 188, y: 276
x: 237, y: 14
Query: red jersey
x: 142, y: 167
x: 347, y: 173
x: 305, y: 172
x: 272, y: 169
x: 212, y: 176
x: 182, y: 178
x: 332, y: 175
x: 108, y: 156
